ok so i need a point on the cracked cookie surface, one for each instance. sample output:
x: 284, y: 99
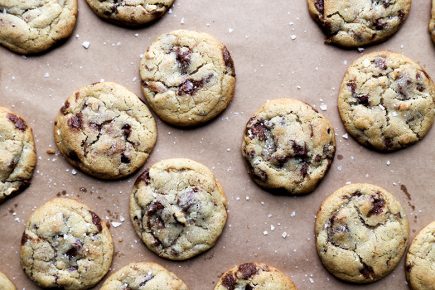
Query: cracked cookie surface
x: 361, y: 233
x: 258, y: 276
x: 143, y: 276
x: 386, y: 101
x: 178, y: 208
x: 105, y: 130
x: 130, y: 12
x: 354, y: 23
x: 420, y: 260
x: 5, y: 283
x: 65, y: 245
x: 17, y: 154
x: 432, y: 22
x: 29, y: 27
x: 188, y: 78
x: 288, y: 146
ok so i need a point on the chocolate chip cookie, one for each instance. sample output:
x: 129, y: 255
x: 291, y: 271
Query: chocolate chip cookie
x: 420, y: 260
x: 65, y: 245
x: 432, y: 22
x: 29, y: 27
x: 178, y: 208
x: 143, y: 276
x: 17, y: 154
x: 188, y: 77
x: 130, y: 12
x: 256, y: 276
x: 361, y: 233
x: 354, y: 23
x: 105, y: 130
x: 5, y: 283
x: 386, y: 101
x: 288, y: 146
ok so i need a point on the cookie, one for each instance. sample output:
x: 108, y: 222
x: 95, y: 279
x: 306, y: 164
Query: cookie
x: 355, y: 23
x: 143, y: 276
x: 361, y: 233
x: 29, y: 27
x: 288, y: 146
x: 5, y: 283
x: 17, y: 154
x: 105, y: 130
x: 256, y: 276
x: 130, y: 12
x: 65, y: 245
x: 178, y: 208
x: 386, y: 101
x: 420, y: 260
x: 432, y: 22
x: 188, y: 77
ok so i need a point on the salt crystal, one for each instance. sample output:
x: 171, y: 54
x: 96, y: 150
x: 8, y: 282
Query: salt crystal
x: 284, y: 235
x: 230, y: 30
x: 293, y: 37
x: 116, y: 224
x: 323, y: 107
x: 265, y: 233
x: 182, y: 21
x: 86, y: 44
x: 73, y: 172
x: 345, y: 136
x: 293, y: 214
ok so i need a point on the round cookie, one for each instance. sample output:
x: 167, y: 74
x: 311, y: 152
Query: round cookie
x: 130, y: 12
x: 288, y: 146
x: 188, y: 77
x: 420, y: 260
x: 178, y: 208
x: 105, y: 130
x: 65, y: 245
x: 256, y: 276
x: 386, y: 101
x: 5, y: 283
x: 354, y: 23
x: 29, y: 27
x: 143, y: 276
x: 17, y: 154
x: 432, y: 22
x: 361, y: 233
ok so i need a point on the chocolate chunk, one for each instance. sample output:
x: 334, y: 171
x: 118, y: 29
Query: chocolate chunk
x: 190, y: 87
x: 75, y: 121
x: 388, y: 142
x: 363, y: 100
x: 64, y: 108
x: 304, y: 169
x: 408, y: 268
x: 258, y: 129
x: 259, y: 174
x: 401, y: 15
x: 367, y: 271
x: 298, y: 150
x: 228, y: 61
x: 147, y: 278
x: 352, y: 86
x: 379, y: 24
x: 145, y: 177
x: 74, y: 250
x: 320, y: 6
x: 126, y: 130
x: 154, y: 208
x: 378, y: 205
x: 96, y: 221
x: 18, y: 122
x: 247, y: 270
x: 229, y: 281
x: 187, y: 200
x: 125, y: 159
x: 73, y: 156
x: 318, y: 158
x: 183, y: 58
x: 248, y: 287
x: 380, y: 63
x: 25, y: 238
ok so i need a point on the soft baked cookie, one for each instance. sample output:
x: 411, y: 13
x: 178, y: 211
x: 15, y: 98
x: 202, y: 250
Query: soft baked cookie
x: 386, y: 101
x: 420, y: 260
x: 354, y: 23
x: 130, y: 12
x: 105, y: 130
x: 361, y: 233
x: 289, y: 146
x: 65, y: 245
x: 188, y: 77
x: 432, y: 22
x: 17, y: 154
x: 178, y: 208
x: 29, y: 27
x: 5, y: 283
x: 256, y: 276
x: 143, y: 276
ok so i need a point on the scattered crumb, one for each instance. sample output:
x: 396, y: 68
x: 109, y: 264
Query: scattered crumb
x: 51, y: 151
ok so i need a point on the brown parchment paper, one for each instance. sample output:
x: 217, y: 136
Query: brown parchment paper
x: 269, y: 64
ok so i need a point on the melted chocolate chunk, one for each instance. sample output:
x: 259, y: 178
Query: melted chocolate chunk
x: 248, y: 287
x: 96, y: 221
x: 304, y: 169
x: 228, y: 61
x: 363, y: 100
x: 18, y: 122
x: 126, y: 129
x: 25, y: 238
x: 380, y: 63
x: 125, y: 159
x: 75, y: 121
x: 320, y: 6
x: 379, y: 24
x: 154, y: 208
x: 299, y: 151
x: 74, y: 251
x: 367, y: 271
x: 145, y: 177
x: 191, y: 86
x: 229, y: 281
x: 64, y: 108
x: 378, y: 206
x: 183, y: 58
x: 247, y: 270
x: 188, y: 200
x: 388, y: 142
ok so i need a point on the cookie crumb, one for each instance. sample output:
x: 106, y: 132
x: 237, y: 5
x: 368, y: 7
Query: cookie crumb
x: 51, y: 151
